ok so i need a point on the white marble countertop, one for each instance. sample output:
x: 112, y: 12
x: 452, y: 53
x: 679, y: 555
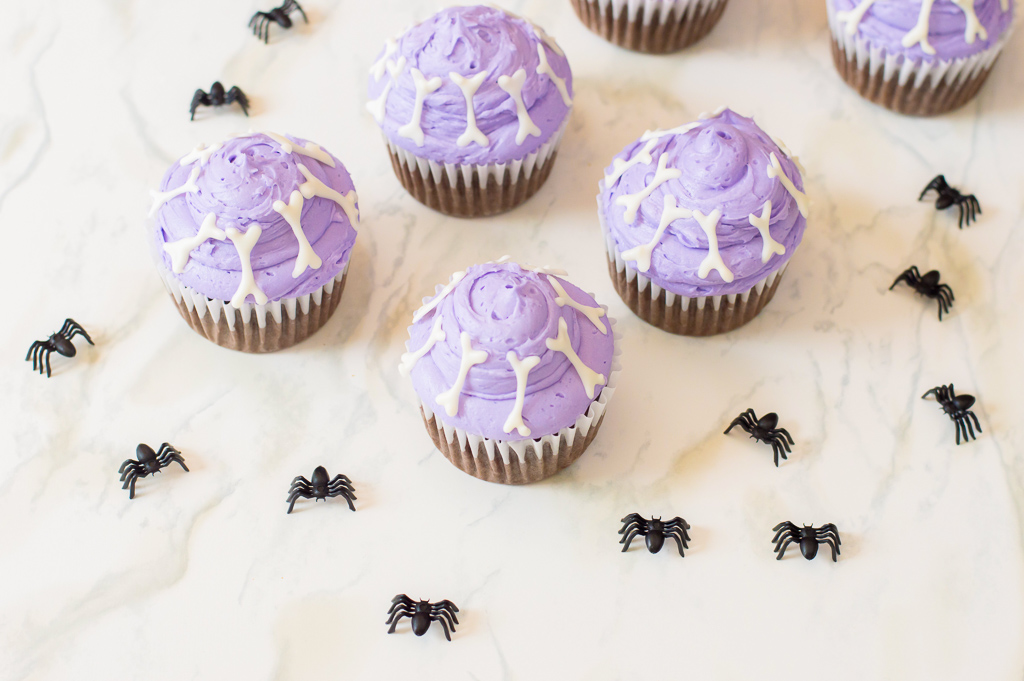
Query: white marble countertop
x: 203, y: 576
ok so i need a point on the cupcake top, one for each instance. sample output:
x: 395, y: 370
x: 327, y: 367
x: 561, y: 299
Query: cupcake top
x: 710, y: 208
x: 257, y: 217
x: 509, y: 352
x: 925, y: 30
x: 471, y: 85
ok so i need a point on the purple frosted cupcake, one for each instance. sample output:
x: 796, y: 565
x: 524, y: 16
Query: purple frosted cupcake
x: 514, y: 368
x: 253, y: 236
x: 472, y: 103
x: 651, y: 26
x: 919, y: 57
x: 700, y: 223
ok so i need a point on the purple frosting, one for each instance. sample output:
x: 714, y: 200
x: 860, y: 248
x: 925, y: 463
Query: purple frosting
x: 506, y: 308
x: 239, y: 184
x: 467, y: 41
x: 887, y: 22
x: 724, y: 162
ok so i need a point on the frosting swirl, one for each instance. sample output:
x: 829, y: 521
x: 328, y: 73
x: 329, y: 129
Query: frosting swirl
x: 505, y: 309
x: 711, y: 180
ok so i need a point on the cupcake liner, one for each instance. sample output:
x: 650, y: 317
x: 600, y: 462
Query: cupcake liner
x: 520, y: 462
x: 645, y: 26
x: 702, y: 316
x: 269, y: 327
x: 926, y: 88
x: 473, y: 191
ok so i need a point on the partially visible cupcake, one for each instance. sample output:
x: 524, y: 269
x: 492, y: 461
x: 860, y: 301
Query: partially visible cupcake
x: 514, y: 368
x: 918, y: 57
x: 472, y: 103
x: 700, y: 222
x: 651, y: 26
x: 253, y: 237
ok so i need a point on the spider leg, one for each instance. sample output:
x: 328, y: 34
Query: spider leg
x: 301, y: 478
x: 776, y: 451
x: 197, y: 99
x: 744, y: 421
x: 46, y: 358
x: 937, y: 182
x: 960, y: 429
x: 235, y: 94
x: 266, y: 29
x: 450, y: 607
x: 293, y: 497
x: 831, y: 545
x: 345, y: 495
x: 447, y: 634
x: 79, y: 331
x: 905, y: 276
x: 679, y: 535
x: 632, y: 516
x: 782, y: 528
x: 969, y: 430
x: 781, y: 548
x: 179, y: 459
x: 395, y: 618
x: 400, y: 599
x: 632, y: 524
x: 626, y: 540
x: 938, y: 392
x: 977, y: 423
x: 442, y: 615
x: 301, y: 11
x: 33, y: 350
x: 130, y: 484
x: 127, y: 467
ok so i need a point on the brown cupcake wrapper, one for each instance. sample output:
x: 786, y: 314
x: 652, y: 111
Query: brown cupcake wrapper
x: 474, y: 191
x: 904, y: 86
x: 650, y: 29
x: 257, y: 328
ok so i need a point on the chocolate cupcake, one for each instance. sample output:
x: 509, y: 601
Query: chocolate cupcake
x: 473, y: 103
x: 918, y: 57
x: 651, y: 26
x: 252, y: 237
x: 514, y: 368
x: 700, y: 223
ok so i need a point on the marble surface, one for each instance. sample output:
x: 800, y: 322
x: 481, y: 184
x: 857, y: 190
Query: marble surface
x: 203, y: 576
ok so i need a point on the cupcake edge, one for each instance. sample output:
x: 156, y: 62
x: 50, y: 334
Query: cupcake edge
x: 925, y: 88
x: 647, y: 28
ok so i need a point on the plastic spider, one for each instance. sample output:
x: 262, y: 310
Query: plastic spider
x: 654, y: 532
x: 764, y: 430
x: 970, y: 209
x: 959, y: 409
x: 808, y: 537
x: 421, y: 614
x: 60, y: 342
x: 260, y: 22
x: 148, y: 463
x: 218, y: 97
x: 321, y: 487
x: 928, y: 286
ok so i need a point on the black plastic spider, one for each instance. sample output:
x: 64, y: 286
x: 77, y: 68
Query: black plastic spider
x: 764, y: 430
x: 60, y: 342
x: 808, y: 537
x: 928, y: 286
x: 321, y: 487
x: 959, y: 409
x: 148, y: 463
x: 260, y: 22
x: 422, y: 613
x: 218, y: 97
x: 970, y: 209
x: 654, y: 532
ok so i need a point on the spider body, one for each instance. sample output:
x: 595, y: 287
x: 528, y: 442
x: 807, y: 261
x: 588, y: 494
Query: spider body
x: 948, y: 196
x: 148, y: 463
x: 654, y: 531
x: 958, y: 408
x: 60, y: 342
x: 764, y: 430
x: 321, y: 487
x: 219, y: 97
x: 807, y: 537
x: 421, y: 614
x: 928, y: 286
x: 261, y: 21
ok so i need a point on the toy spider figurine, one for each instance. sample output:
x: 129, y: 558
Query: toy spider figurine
x: 654, y: 532
x: 808, y: 537
x: 218, y: 97
x: 59, y: 342
x: 422, y: 613
x: 948, y: 196
x: 321, y: 487
x: 764, y: 430
x: 260, y: 22
x: 928, y: 286
x: 959, y: 409
x: 149, y: 463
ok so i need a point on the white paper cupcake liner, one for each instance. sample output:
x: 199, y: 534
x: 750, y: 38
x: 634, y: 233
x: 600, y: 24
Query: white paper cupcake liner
x: 525, y: 460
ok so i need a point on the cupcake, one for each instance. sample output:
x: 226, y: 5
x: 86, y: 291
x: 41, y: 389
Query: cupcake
x: 253, y: 236
x: 651, y: 26
x: 918, y: 57
x: 514, y: 367
x: 700, y: 223
x: 472, y: 103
